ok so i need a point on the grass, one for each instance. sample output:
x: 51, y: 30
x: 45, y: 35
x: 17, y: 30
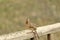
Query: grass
x: 14, y: 12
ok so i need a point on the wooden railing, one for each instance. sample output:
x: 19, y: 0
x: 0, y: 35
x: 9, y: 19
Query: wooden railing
x: 25, y: 34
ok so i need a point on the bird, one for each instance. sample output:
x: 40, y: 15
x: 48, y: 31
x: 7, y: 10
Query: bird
x: 32, y: 27
x: 29, y: 25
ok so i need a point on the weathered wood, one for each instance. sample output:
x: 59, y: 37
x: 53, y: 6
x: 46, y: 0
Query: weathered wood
x: 26, y: 34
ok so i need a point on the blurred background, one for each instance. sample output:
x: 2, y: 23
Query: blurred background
x: 13, y: 14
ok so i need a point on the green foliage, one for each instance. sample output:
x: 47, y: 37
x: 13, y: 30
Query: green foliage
x: 14, y: 12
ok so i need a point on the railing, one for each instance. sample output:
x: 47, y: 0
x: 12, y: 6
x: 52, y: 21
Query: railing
x: 25, y: 34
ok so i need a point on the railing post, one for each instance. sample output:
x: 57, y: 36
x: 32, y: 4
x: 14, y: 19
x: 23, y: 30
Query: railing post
x: 48, y: 36
x: 31, y: 38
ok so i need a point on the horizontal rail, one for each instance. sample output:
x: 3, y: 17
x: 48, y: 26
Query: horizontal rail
x: 26, y: 34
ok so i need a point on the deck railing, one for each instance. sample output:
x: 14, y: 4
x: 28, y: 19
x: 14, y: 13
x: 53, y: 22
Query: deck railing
x: 25, y: 34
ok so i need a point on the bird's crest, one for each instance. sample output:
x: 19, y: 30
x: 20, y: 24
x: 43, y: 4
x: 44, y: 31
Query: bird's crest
x: 27, y: 21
